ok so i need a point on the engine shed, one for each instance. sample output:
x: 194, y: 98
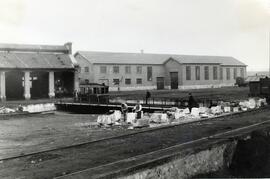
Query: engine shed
x: 37, y: 71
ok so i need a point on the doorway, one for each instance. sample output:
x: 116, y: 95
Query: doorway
x: 174, y: 80
x: 160, y: 83
x: 40, y: 84
x: 14, y: 85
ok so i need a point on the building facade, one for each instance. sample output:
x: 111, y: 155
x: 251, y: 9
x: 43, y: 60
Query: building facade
x: 37, y: 71
x: 132, y: 71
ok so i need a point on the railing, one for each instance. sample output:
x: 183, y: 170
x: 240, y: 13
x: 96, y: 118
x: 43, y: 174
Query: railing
x: 157, y: 101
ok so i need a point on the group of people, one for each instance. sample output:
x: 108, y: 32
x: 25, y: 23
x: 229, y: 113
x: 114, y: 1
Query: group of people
x: 138, y: 107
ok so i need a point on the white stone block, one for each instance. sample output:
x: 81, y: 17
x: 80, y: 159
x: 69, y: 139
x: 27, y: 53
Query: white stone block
x: 227, y: 109
x: 195, y: 112
x: 131, y: 117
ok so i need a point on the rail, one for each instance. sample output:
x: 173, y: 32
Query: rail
x: 222, y: 117
x: 106, y: 99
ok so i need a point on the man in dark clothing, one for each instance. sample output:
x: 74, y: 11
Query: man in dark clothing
x: 191, y: 102
x: 148, y: 95
x: 124, y: 110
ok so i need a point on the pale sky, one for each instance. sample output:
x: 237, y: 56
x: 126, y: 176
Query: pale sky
x: 238, y: 28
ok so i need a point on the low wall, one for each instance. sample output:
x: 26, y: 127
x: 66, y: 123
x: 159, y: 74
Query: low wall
x: 246, y: 157
x: 208, y: 160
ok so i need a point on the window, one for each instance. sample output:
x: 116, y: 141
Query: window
x: 116, y: 81
x: 139, y: 81
x: 103, y: 69
x: 127, y: 81
x: 228, y: 74
x: 221, y: 73
x: 188, y: 73
x: 149, y: 73
x: 115, y: 69
x: 242, y: 72
x: 234, y: 73
x: 206, y: 73
x: 139, y: 70
x: 215, y: 73
x: 86, y: 69
x: 197, y: 71
x: 128, y: 70
x: 86, y: 81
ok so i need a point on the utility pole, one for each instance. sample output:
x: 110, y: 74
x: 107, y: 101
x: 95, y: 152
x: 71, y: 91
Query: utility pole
x: 268, y: 14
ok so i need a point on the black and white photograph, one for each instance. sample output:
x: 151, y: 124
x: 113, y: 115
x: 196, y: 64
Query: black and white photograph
x: 134, y: 89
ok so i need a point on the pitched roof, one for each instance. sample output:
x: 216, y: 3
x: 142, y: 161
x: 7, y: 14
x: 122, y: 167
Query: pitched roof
x: 35, y: 56
x: 223, y: 60
x: 156, y: 59
x: 123, y: 58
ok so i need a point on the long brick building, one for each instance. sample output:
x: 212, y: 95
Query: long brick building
x: 131, y: 71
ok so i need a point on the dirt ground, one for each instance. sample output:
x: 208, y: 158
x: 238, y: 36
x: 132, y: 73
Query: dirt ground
x: 39, y: 132
x: 22, y: 135
x: 28, y: 134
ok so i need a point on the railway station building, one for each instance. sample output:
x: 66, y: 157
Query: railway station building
x: 141, y: 71
x: 37, y: 71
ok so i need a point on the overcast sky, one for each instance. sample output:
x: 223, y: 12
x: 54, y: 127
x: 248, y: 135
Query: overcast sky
x: 237, y: 28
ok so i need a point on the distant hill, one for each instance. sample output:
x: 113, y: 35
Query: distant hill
x: 253, y: 73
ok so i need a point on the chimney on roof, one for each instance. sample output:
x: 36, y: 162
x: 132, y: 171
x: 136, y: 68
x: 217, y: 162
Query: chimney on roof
x: 68, y: 45
x: 142, y: 51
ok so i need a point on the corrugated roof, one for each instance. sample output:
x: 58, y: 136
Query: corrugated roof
x: 34, y: 48
x: 35, y: 60
x: 36, y: 56
x: 158, y: 59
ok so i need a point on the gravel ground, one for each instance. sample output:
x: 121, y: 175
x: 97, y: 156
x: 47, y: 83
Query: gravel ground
x: 64, y: 129
x: 21, y: 135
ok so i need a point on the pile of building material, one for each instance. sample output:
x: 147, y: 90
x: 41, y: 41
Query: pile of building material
x: 131, y: 118
x: 176, y: 115
x: 5, y: 110
x: 137, y: 123
x: 143, y: 122
x: 159, y: 117
x: 36, y: 108
x: 31, y: 108
x: 221, y: 108
x: 109, y: 119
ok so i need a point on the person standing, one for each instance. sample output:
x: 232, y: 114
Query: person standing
x: 147, y: 96
x: 191, y: 102
x: 138, y: 110
x: 124, y: 110
x: 75, y: 95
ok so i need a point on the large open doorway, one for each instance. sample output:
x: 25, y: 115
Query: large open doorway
x: 14, y: 85
x: 174, y: 80
x: 160, y: 83
x: 64, y: 84
x: 40, y: 84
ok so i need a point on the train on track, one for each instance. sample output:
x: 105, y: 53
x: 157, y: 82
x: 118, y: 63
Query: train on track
x: 260, y: 87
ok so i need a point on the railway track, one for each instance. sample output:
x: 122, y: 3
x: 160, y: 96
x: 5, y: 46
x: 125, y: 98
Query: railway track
x: 173, y: 150
x: 218, y: 125
x: 222, y: 117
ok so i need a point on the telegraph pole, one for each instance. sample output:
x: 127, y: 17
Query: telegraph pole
x: 268, y: 14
